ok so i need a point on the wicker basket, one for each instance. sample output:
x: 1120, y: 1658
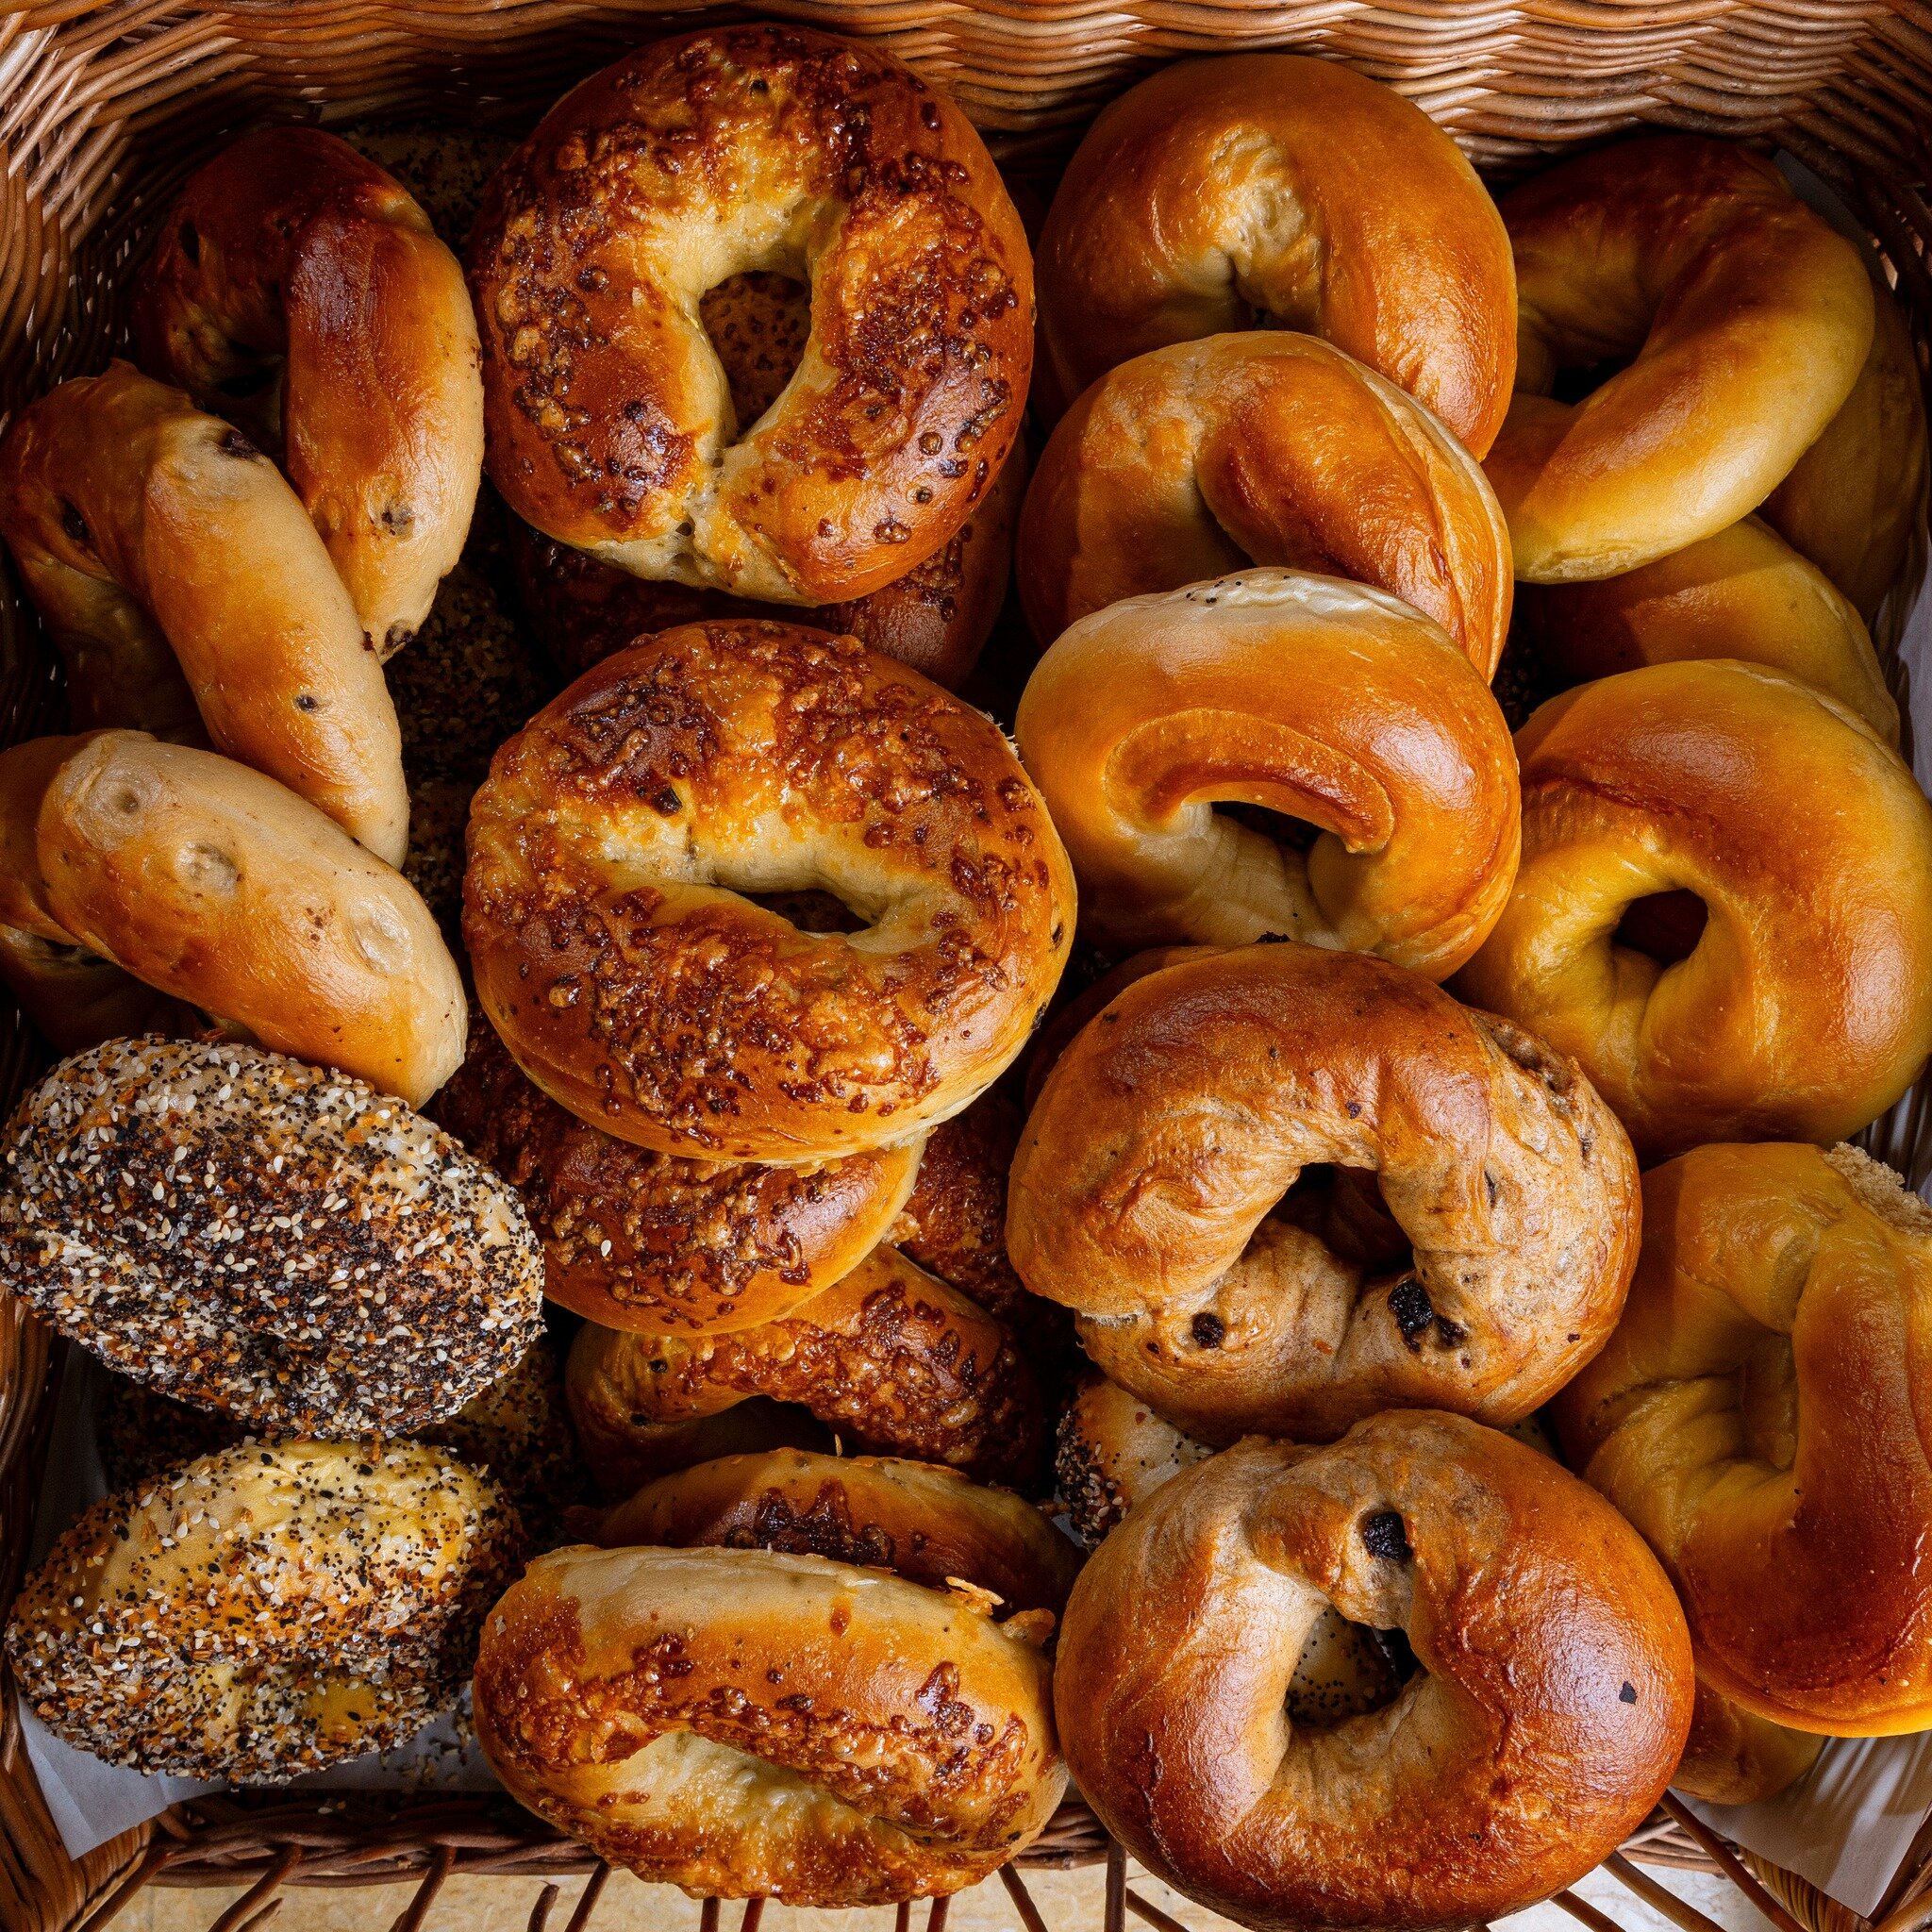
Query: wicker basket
x: 105, y: 103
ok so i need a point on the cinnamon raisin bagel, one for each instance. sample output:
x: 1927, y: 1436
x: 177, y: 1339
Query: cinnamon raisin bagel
x: 615, y: 952
x: 890, y: 1354
x: 1550, y: 1702
x: 220, y: 888
x: 1274, y: 187
x: 1736, y: 318
x: 1307, y: 696
x: 1060, y: 1031
x: 748, y: 1724
x: 1799, y: 1001
x: 655, y: 1241
x: 264, y: 1611
x: 1743, y: 594
x: 926, y: 1522
x: 1194, y: 461
x: 128, y: 510
x: 1151, y: 1193
x: 755, y: 147
x: 1758, y: 1416
x: 298, y: 288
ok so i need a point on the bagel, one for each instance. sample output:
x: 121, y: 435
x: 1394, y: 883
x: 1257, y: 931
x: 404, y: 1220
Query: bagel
x: 1303, y: 696
x: 927, y: 1523
x: 747, y: 1724
x: 126, y: 509
x: 265, y: 1238
x: 1151, y: 1193
x: 1111, y: 1451
x: 1276, y: 188
x: 219, y: 887
x: 653, y: 1242
x: 264, y: 1611
x: 1060, y: 1031
x: 1801, y: 1005
x: 613, y: 951
x: 1551, y: 1700
x: 753, y: 147
x: 891, y: 1353
x: 1758, y: 1416
x: 1191, y: 462
x: 1743, y: 594
x: 1743, y: 319
x: 1734, y: 1757
x: 297, y: 288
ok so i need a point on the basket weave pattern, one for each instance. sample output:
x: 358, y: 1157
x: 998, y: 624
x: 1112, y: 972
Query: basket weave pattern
x: 106, y: 104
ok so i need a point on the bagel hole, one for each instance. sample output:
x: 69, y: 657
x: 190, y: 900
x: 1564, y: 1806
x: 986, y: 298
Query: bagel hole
x: 1664, y: 926
x: 1281, y: 829
x: 810, y: 909
x: 1572, y: 385
x: 759, y: 323
x: 1344, y: 1208
x: 1346, y: 1670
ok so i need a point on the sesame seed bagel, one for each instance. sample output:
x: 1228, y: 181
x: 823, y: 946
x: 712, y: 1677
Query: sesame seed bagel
x: 890, y: 1352
x: 1151, y: 1193
x: 657, y: 1241
x: 254, y: 1235
x: 1551, y: 1701
x: 611, y: 423
x: 927, y: 1523
x: 268, y: 250
x: 752, y: 1725
x: 267, y: 1610
x: 615, y: 951
x: 1112, y: 1452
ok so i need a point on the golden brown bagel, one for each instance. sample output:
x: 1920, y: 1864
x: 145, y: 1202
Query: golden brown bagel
x: 216, y: 885
x: 935, y: 618
x: 1743, y: 594
x: 1734, y: 1757
x: 1148, y: 1194
x: 891, y: 1354
x: 1743, y: 320
x: 1191, y: 462
x: 297, y: 289
x: 128, y: 510
x: 268, y: 1610
x: 1758, y: 1416
x: 1804, y: 1007
x: 1272, y: 186
x: 1068, y: 1019
x: 926, y: 1522
x: 613, y: 951
x: 751, y: 1724
x: 1855, y: 502
x: 1304, y: 696
x: 1551, y: 1703
x: 699, y: 157
x: 653, y: 1242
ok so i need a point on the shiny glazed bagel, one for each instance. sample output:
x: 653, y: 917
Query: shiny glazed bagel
x: 1744, y: 318
x: 1295, y: 189
x: 1305, y: 696
x: 926, y: 1522
x: 1551, y: 1699
x: 1804, y: 1007
x: 655, y: 1241
x: 265, y: 1611
x: 216, y: 885
x: 890, y: 1354
x: 1743, y: 594
x: 747, y: 1724
x: 1757, y: 1415
x: 1191, y: 462
x: 616, y: 952
x: 297, y: 289
x: 1148, y: 1194
x: 757, y: 147
x: 128, y: 510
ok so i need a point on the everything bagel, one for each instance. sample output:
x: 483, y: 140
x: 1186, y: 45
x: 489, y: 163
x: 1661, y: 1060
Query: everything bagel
x: 615, y: 952
x: 1191, y: 462
x: 1148, y: 1195
x: 757, y: 147
x: 1143, y: 716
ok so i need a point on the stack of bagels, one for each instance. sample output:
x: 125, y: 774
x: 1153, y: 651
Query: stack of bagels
x: 1260, y: 1245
